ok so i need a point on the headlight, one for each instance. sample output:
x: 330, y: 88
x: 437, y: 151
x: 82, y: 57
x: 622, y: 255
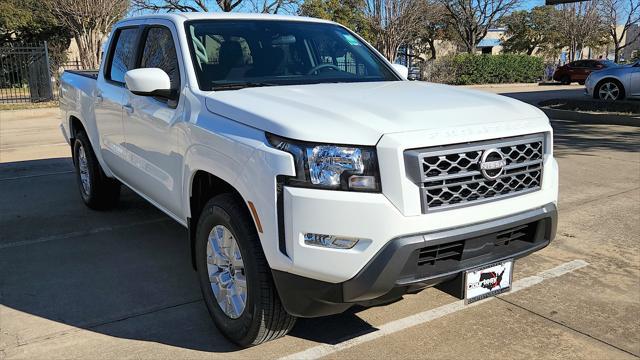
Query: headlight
x: 335, y: 167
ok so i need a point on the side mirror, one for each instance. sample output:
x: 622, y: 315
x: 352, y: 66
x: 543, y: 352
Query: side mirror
x: 402, y: 70
x: 149, y: 82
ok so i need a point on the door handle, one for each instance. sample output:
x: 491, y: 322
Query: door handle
x: 128, y: 108
x: 99, y: 99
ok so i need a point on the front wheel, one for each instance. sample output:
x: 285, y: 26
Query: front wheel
x: 234, y: 276
x: 610, y: 90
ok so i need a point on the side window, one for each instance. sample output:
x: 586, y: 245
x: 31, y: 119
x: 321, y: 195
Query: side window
x: 160, y: 52
x: 122, y: 59
x: 580, y: 64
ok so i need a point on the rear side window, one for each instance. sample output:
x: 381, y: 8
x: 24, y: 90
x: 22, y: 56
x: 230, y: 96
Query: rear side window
x: 123, y: 57
x: 160, y: 52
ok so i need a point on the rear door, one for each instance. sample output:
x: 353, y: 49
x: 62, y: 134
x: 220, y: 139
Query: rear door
x: 580, y: 70
x: 110, y: 96
x: 149, y: 123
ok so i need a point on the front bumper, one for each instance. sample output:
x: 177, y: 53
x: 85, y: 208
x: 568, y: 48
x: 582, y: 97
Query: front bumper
x: 376, y: 220
x: 399, y: 267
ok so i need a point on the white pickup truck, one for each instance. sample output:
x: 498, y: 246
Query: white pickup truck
x: 311, y: 175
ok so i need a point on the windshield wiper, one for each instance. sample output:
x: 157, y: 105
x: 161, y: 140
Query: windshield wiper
x: 241, y: 85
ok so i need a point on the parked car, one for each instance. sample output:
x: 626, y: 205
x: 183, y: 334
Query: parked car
x: 307, y: 183
x: 577, y: 71
x: 415, y: 73
x: 615, y: 83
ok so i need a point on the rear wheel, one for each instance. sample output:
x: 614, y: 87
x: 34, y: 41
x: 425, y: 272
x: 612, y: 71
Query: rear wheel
x: 566, y: 80
x: 234, y: 276
x: 97, y: 190
x: 609, y: 90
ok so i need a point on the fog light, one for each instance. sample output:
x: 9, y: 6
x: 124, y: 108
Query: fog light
x: 330, y: 241
x: 360, y: 182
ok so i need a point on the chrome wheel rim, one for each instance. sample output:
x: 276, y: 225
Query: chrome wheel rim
x: 609, y: 91
x: 226, y: 271
x: 83, y: 167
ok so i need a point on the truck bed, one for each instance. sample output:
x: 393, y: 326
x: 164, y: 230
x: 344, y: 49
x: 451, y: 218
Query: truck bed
x: 93, y: 74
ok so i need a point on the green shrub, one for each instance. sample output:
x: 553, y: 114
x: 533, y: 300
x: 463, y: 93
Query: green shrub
x: 467, y: 69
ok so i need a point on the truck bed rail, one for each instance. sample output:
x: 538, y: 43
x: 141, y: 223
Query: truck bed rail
x: 93, y: 74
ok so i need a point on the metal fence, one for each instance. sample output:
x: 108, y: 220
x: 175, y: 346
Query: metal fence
x: 72, y: 65
x: 25, y: 74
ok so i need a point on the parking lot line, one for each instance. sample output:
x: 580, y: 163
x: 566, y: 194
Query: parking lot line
x: 319, y: 351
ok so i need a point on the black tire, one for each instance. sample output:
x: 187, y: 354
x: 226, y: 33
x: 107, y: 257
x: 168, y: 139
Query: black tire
x: 264, y: 318
x: 102, y: 192
x: 580, y: 82
x: 621, y: 92
x: 566, y: 80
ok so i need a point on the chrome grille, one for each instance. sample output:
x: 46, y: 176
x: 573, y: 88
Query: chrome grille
x: 451, y: 176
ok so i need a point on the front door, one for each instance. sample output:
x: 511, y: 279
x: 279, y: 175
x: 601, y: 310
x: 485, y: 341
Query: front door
x: 149, y: 123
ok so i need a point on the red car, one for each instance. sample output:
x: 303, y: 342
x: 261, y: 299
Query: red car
x: 577, y: 71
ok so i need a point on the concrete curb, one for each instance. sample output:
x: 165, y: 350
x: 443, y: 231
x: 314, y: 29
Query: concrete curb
x: 593, y: 118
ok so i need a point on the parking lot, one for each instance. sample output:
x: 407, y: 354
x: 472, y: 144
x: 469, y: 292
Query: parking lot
x: 76, y: 283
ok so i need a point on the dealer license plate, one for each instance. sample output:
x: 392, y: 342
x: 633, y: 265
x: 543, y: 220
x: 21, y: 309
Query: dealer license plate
x: 486, y: 281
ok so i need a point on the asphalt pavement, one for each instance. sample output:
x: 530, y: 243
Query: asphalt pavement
x: 76, y: 283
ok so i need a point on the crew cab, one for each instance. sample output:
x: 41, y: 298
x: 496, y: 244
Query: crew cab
x: 310, y: 174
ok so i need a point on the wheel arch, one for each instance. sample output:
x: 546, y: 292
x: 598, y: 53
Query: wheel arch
x: 75, y: 125
x: 203, y: 186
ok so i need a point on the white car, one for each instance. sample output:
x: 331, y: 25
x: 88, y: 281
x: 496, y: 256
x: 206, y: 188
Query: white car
x: 311, y: 175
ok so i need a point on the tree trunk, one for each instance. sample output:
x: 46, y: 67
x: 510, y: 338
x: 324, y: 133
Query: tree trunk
x: 89, y: 48
x: 432, y: 47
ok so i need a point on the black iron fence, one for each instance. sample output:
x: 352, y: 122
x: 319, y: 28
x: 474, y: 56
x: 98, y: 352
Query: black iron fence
x: 25, y: 74
x: 72, y: 65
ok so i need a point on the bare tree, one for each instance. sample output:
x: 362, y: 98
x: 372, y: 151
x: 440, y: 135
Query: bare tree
x: 274, y: 6
x: 619, y: 16
x: 580, y: 25
x: 472, y: 19
x: 260, y: 6
x: 393, y: 22
x: 431, y: 27
x: 184, y: 5
x: 89, y: 21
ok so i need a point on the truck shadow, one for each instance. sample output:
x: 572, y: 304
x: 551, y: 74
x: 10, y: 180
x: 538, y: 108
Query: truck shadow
x: 575, y: 138
x: 127, y: 273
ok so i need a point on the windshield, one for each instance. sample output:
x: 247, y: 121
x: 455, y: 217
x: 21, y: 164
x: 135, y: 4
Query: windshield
x: 232, y: 54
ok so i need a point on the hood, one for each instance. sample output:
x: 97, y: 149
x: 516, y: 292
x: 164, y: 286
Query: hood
x: 360, y: 113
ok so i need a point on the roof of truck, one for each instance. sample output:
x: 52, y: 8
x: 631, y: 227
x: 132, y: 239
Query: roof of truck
x: 180, y: 17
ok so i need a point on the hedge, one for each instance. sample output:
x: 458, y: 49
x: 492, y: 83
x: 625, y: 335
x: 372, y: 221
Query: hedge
x: 466, y: 69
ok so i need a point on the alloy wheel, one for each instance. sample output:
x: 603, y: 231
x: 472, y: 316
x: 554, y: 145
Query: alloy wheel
x: 83, y: 167
x: 609, y: 91
x: 226, y: 271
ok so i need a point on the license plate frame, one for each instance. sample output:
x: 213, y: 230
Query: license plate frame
x: 480, y: 282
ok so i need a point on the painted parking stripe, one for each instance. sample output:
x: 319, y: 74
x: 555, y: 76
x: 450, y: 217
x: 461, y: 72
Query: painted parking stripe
x: 433, y: 314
